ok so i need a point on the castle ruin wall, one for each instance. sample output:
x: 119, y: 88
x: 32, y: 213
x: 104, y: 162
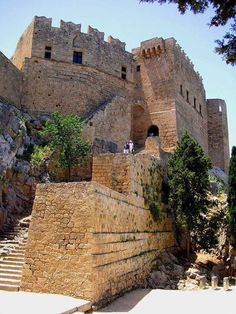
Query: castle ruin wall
x: 88, y: 241
x: 59, y: 86
x: 191, y: 106
x: 24, y: 47
x: 11, y: 80
x: 218, y: 133
x: 110, y: 124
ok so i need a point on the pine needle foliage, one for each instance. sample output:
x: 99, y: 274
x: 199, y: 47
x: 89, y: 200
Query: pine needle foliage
x: 232, y: 193
x: 188, y: 183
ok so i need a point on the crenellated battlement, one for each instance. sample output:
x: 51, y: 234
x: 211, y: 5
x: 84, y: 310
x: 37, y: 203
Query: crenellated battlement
x: 43, y: 23
x: 187, y: 60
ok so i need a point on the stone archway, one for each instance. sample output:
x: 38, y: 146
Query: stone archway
x: 153, y: 130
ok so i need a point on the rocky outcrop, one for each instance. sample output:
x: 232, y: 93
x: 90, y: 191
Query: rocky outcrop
x: 18, y: 135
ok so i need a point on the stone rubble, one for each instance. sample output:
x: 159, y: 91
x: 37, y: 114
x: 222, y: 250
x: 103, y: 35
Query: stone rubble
x: 177, y: 273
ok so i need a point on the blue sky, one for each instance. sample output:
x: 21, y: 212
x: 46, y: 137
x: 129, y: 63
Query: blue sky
x: 133, y: 22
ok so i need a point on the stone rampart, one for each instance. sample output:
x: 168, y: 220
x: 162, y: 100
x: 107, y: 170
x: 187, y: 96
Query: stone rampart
x: 10, y: 82
x: 108, y: 56
x: 90, y: 241
x: 56, y: 86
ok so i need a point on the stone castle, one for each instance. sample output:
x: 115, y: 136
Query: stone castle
x: 97, y: 239
x: 122, y: 95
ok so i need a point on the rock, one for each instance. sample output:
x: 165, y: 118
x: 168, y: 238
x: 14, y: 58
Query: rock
x: 192, y: 272
x: 157, y: 279
x: 168, y: 258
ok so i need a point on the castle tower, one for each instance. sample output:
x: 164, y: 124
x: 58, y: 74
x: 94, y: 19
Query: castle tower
x: 218, y: 141
x: 172, y: 90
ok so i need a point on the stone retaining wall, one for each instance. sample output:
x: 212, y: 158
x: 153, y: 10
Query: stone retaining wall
x: 91, y: 242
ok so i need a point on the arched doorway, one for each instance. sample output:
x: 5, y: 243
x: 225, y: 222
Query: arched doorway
x: 153, y: 131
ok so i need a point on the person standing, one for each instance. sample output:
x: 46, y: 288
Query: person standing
x: 131, y: 146
x: 126, y: 148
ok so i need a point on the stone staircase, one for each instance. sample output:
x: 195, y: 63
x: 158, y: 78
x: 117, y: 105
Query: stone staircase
x: 12, y: 251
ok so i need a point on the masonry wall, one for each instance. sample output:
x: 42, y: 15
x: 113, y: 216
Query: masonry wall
x: 10, y: 82
x: 24, y: 47
x: 109, y: 128
x: 155, y: 81
x: 191, y: 109
x: 218, y: 133
x: 88, y: 241
x: 69, y: 88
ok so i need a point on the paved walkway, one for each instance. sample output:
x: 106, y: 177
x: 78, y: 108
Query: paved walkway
x: 174, y: 302
x: 37, y: 303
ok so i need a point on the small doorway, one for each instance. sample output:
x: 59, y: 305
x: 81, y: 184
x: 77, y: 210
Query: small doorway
x: 153, y: 131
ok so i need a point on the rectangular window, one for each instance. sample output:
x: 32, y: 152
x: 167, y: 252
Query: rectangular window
x: 138, y: 68
x: 200, y: 108
x: 187, y: 96
x: 123, y: 72
x: 181, y: 89
x: 48, y: 52
x: 77, y: 57
x: 195, y: 103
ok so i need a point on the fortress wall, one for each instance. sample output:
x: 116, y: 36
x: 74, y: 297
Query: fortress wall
x: 125, y: 173
x: 108, y: 56
x: 111, y: 124
x: 24, y: 47
x: 218, y: 140
x: 190, y: 114
x: 156, y: 82
x: 10, y: 82
x: 54, y: 86
x: 89, y: 241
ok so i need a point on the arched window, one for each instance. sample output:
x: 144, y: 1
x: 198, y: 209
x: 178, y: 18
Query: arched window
x: 153, y: 131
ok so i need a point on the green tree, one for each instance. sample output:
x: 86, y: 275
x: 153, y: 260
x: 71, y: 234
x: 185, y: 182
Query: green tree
x: 225, y: 12
x: 232, y: 194
x: 64, y: 137
x: 188, y: 183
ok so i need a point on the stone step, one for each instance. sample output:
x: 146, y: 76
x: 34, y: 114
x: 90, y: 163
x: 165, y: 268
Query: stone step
x: 4, y: 242
x: 9, y: 287
x: 11, y: 263
x: 18, y: 250
x: 14, y: 258
x: 11, y: 267
x: 10, y: 271
x: 4, y: 276
x: 11, y: 282
x: 20, y: 254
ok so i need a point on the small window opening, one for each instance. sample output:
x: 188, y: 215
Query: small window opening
x: 48, y: 52
x: 200, y: 108
x: 187, y: 96
x: 123, y: 72
x: 77, y: 57
x: 220, y: 109
x: 153, y: 131
x: 195, y: 103
x: 181, y: 89
x: 138, y: 68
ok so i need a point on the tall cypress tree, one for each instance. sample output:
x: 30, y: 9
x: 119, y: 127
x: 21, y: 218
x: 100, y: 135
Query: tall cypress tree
x: 189, y: 183
x: 232, y: 193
